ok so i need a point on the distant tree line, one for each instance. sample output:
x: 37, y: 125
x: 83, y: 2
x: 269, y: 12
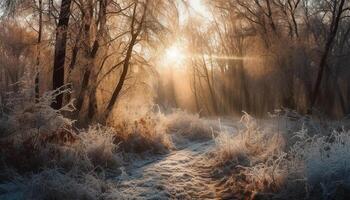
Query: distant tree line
x: 260, y: 55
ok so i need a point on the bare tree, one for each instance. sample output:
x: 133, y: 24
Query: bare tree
x: 40, y: 32
x: 60, y: 51
x: 337, y: 11
x: 135, y: 32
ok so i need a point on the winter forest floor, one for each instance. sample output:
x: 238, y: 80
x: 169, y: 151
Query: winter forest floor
x: 172, y: 156
x: 182, y: 174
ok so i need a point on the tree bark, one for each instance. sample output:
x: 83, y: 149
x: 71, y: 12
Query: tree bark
x: 101, y: 36
x: 90, y: 54
x: 37, y: 74
x: 60, y: 51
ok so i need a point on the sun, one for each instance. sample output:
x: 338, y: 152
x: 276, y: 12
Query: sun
x: 174, y: 55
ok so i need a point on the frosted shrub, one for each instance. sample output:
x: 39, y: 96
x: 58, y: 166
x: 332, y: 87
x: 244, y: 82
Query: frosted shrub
x: 56, y: 184
x: 313, y: 166
x: 142, y: 132
x: 188, y: 126
x: 33, y: 133
x: 28, y: 118
x: 266, y: 176
x: 52, y: 184
x: 156, y: 132
x: 98, y: 143
x: 146, y: 129
x: 252, y: 142
x: 324, y: 161
x: 49, y: 157
x: 256, y: 153
x: 230, y: 148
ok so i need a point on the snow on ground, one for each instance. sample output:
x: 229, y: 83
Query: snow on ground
x: 182, y: 174
x: 208, y: 159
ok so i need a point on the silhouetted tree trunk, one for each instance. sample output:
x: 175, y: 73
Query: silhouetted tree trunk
x: 126, y: 63
x: 245, y: 101
x: 293, y: 5
x: 60, y: 51
x: 336, y: 18
x: 339, y: 51
x: 37, y: 75
x: 194, y: 88
x: 210, y: 87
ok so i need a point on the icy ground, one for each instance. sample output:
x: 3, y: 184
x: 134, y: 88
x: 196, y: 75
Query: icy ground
x: 182, y: 174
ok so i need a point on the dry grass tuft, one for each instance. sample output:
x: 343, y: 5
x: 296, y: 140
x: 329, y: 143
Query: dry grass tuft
x: 311, y: 165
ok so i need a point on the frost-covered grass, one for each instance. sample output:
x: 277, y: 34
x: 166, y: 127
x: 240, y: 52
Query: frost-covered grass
x: 57, y: 184
x: 255, y: 153
x: 252, y: 142
x: 35, y: 136
x: 275, y: 158
x: 43, y: 155
x: 188, y: 127
x: 157, y: 132
x: 146, y: 133
x: 323, y: 162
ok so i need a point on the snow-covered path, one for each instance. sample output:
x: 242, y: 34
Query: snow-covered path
x: 182, y: 174
x: 185, y: 173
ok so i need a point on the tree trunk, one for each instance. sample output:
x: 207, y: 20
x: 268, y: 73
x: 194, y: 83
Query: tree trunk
x: 101, y: 36
x: 120, y: 84
x: 126, y: 63
x: 37, y: 68
x: 73, y: 61
x: 328, y: 47
x: 90, y: 84
x: 60, y: 51
x: 195, y: 90
x: 90, y: 54
x: 210, y: 87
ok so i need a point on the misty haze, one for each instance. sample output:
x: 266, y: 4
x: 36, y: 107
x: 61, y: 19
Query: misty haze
x: 174, y: 99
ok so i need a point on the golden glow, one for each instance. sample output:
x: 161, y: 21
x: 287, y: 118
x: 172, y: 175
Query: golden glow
x: 199, y: 7
x: 174, y: 56
x: 219, y: 57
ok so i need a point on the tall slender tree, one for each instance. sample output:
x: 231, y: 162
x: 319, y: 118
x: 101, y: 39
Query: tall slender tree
x: 135, y: 32
x: 337, y: 11
x: 60, y: 51
x: 40, y: 32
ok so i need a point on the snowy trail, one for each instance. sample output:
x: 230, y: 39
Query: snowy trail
x: 182, y: 174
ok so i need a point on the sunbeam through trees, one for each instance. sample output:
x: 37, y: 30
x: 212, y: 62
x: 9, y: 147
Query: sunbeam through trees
x: 174, y: 99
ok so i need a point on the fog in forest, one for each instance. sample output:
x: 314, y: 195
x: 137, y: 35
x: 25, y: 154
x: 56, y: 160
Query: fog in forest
x: 174, y: 99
